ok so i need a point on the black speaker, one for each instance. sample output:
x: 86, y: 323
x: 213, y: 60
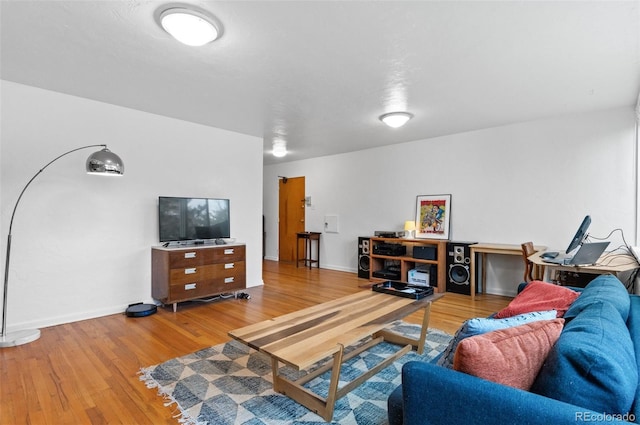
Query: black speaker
x: 459, y: 267
x: 364, y: 250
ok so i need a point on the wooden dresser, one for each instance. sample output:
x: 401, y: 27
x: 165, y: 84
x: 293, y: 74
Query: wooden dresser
x: 187, y: 273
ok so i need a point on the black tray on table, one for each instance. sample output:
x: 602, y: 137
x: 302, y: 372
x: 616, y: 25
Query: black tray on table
x: 401, y: 289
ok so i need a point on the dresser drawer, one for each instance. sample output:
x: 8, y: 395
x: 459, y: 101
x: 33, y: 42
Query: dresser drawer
x: 190, y: 258
x: 193, y: 290
x: 229, y: 253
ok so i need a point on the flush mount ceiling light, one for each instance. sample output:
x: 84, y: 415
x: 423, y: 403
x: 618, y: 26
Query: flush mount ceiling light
x: 190, y: 27
x: 396, y: 119
x: 279, y: 148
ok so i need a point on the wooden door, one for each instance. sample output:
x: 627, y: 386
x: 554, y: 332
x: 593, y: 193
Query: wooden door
x: 291, y: 216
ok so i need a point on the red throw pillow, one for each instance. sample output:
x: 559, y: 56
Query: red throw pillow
x: 540, y: 296
x: 510, y: 356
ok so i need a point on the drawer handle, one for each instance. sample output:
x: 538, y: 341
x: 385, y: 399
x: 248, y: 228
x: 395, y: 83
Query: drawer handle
x: 190, y: 271
x: 228, y: 280
x: 189, y: 255
x: 189, y: 286
x: 229, y: 265
x: 229, y: 251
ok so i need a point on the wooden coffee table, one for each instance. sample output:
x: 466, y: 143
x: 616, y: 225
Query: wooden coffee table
x: 305, y: 337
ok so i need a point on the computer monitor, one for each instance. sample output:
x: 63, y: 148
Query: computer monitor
x: 580, y: 235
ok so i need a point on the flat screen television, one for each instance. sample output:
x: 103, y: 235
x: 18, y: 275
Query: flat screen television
x: 580, y: 235
x: 193, y: 219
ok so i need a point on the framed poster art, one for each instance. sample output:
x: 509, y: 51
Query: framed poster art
x: 433, y: 215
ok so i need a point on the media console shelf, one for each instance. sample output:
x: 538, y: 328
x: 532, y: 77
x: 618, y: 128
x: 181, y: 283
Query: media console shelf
x: 187, y: 273
x: 407, y: 262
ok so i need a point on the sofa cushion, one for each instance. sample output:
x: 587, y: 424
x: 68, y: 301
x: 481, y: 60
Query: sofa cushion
x: 539, y: 296
x: 480, y: 326
x: 605, y: 288
x: 633, y: 324
x: 593, y: 364
x: 510, y: 356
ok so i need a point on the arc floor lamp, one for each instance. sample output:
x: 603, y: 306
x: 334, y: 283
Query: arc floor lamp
x: 102, y: 162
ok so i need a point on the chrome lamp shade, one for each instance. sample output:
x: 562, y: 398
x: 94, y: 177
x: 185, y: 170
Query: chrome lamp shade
x: 105, y: 162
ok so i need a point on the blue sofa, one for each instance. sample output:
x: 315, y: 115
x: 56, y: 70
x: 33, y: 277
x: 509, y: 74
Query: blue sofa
x: 590, y: 375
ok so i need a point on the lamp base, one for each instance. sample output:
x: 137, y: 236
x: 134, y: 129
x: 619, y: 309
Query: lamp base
x: 12, y: 339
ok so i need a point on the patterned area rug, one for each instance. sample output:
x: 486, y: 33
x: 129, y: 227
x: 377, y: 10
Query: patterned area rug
x: 231, y: 384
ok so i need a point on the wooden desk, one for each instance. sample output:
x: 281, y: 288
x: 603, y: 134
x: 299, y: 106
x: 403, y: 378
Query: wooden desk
x: 607, y: 263
x: 305, y: 337
x: 490, y: 248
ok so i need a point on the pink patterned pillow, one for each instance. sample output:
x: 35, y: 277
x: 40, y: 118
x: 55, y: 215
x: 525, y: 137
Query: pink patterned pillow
x: 540, y: 296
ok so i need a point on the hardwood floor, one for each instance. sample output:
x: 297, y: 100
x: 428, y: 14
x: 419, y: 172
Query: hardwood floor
x: 86, y: 372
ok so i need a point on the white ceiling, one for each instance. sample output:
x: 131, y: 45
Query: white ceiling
x: 319, y: 73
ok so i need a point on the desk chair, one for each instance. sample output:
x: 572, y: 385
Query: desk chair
x: 531, y: 271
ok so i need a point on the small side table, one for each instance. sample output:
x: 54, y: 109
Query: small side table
x: 308, y: 237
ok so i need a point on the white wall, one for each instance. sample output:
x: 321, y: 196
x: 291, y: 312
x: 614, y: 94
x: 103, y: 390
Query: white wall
x: 82, y: 244
x: 529, y: 181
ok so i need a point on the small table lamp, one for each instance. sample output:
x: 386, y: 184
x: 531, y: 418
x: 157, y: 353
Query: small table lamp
x: 409, y: 227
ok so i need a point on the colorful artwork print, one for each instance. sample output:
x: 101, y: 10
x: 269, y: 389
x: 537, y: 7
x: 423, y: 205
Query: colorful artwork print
x: 432, y: 213
x: 432, y: 216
